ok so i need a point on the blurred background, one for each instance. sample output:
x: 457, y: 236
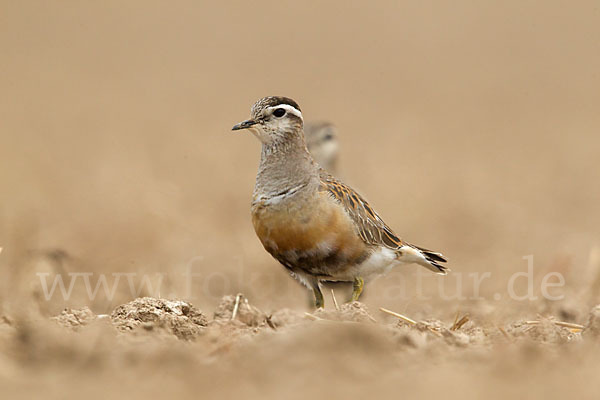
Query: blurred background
x: 472, y: 127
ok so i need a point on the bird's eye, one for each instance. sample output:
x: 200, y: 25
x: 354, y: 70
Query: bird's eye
x: 280, y: 112
x: 328, y: 137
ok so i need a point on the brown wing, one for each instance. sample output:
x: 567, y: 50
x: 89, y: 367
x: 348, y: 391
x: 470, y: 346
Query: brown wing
x: 371, y: 227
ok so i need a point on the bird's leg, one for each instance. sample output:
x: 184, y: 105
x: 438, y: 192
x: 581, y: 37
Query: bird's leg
x: 357, y: 288
x: 319, y: 300
x: 314, y: 283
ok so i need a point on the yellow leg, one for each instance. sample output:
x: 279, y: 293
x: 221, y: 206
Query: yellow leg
x: 319, y: 301
x: 357, y: 288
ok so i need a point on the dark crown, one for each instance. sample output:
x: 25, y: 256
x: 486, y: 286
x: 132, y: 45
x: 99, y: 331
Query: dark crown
x: 273, y: 101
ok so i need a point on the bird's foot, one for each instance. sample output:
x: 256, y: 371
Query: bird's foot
x: 319, y: 300
x: 357, y: 288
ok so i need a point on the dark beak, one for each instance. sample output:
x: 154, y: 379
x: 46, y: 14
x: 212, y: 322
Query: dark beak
x: 243, y: 125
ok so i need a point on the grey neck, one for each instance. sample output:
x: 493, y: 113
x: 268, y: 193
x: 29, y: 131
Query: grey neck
x: 284, y: 165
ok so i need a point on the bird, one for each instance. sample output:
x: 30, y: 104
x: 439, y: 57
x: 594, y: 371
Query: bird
x: 322, y: 143
x: 317, y: 227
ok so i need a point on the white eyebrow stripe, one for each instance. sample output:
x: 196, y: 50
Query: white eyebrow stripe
x: 288, y: 108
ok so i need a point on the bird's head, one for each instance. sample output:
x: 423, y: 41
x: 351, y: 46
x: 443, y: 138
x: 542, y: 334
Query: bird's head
x: 274, y: 119
x: 322, y: 143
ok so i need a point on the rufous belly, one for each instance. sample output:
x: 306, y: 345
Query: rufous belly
x: 312, y: 235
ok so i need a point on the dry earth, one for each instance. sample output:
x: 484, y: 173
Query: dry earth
x: 159, y: 347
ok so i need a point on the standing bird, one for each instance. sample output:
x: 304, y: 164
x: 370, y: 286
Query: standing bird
x: 322, y: 143
x: 316, y: 226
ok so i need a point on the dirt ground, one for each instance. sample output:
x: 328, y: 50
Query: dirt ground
x: 156, y: 347
x: 472, y: 127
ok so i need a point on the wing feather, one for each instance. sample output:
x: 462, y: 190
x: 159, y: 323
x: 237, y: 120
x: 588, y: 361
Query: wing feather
x: 371, y: 227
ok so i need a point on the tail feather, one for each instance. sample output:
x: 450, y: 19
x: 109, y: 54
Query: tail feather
x: 429, y: 259
x: 432, y: 254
